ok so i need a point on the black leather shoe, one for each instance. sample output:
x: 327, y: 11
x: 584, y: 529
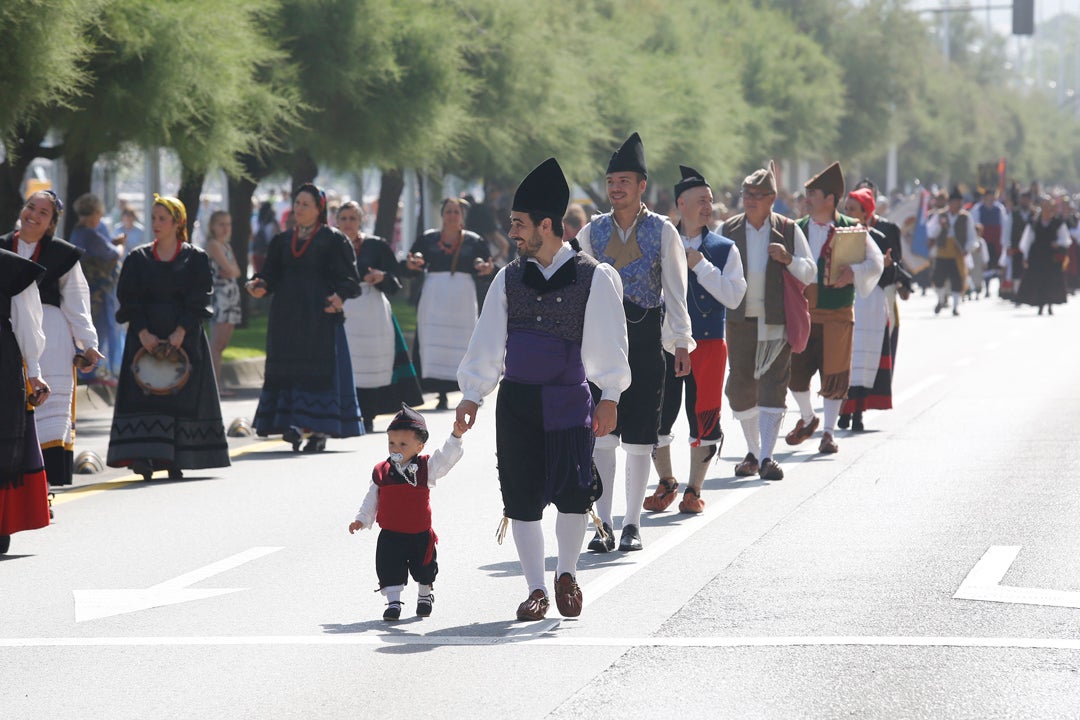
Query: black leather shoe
x: 175, y: 473
x: 315, y: 444
x: 631, y: 539
x: 603, y: 545
x: 857, y: 423
x: 293, y: 436
x: 844, y: 421
x: 393, y: 610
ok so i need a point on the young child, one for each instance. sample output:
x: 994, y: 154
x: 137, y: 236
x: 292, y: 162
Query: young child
x: 398, y: 500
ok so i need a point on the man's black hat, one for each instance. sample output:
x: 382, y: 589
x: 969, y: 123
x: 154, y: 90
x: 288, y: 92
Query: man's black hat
x: 543, y: 191
x: 630, y: 157
x: 691, y: 178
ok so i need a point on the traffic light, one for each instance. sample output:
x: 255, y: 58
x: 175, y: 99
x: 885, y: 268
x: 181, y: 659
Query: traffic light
x: 1023, y: 17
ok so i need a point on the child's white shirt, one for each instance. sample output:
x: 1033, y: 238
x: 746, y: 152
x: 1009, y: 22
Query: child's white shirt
x: 440, y: 463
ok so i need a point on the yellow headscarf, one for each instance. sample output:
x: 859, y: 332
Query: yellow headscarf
x: 178, y: 212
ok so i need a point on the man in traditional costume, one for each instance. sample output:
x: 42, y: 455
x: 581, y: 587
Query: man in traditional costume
x: 758, y: 349
x: 993, y: 216
x: 951, y: 236
x: 24, y: 489
x: 832, y: 314
x: 551, y: 323
x: 1013, y: 259
x: 715, y: 280
x: 874, y: 343
x: 646, y: 251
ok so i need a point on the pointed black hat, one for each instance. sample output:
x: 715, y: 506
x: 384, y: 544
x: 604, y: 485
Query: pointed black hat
x: 543, y: 191
x: 691, y: 178
x: 407, y: 419
x: 630, y: 157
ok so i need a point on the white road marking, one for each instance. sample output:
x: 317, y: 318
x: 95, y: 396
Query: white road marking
x: 360, y: 639
x: 94, y: 604
x: 984, y: 583
x: 901, y: 398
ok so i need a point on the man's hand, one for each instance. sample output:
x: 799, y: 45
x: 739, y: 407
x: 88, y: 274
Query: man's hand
x: 94, y: 356
x: 605, y: 417
x: 693, y: 257
x: 682, y: 362
x: 779, y: 253
x: 846, y: 277
x: 484, y: 267
x: 466, y: 413
x: 39, y: 391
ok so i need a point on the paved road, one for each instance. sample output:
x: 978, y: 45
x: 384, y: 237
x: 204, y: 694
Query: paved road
x: 839, y: 592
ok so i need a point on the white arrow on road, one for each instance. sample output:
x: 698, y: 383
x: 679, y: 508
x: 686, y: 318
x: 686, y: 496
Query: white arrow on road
x: 984, y: 583
x: 94, y: 604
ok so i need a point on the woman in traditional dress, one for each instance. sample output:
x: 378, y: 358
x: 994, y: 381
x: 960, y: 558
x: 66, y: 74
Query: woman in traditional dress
x: 1044, y: 245
x: 24, y: 490
x: 448, y: 259
x: 876, y: 320
x: 308, y: 386
x: 223, y: 272
x: 164, y: 294
x: 66, y: 321
x: 382, y: 372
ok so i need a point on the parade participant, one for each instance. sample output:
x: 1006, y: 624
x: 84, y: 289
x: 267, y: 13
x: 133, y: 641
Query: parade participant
x: 574, y: 219
x: 100, y: 263
x: 552, y: 321
x: 447, y: 259
x: 832, y: 314
x: 993, y: 216
x: 164, y: 293
x: 24, y: 489
x: 715, y: 280
x: 759, y: 352
x: 308, y: 387
x: 66, y: 322
x: 646, y: 251
x: 224, y: 272
x: 951, y: 236
x: 1013, y: 260
x: 874, y: 338
x: 399, y: 499
x: 383, y: 374
x: 1043, y: 246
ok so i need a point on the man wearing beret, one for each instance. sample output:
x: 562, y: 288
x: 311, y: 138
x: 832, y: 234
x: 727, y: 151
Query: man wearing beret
x: 552, y: 323
x: 759, y: 354
x: 832, y: 314
x: 715, y: 283
x: 951, y: 236
x: 646, y: 251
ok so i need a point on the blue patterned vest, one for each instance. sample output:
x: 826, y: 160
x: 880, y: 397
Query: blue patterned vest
x: 707, y: 314
x: 641, y: 279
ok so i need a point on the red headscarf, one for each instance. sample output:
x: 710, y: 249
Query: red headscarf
x: 865, y: 197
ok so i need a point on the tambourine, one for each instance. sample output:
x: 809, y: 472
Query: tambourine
x: 164, y: 371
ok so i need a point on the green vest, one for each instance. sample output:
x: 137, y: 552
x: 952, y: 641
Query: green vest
x: 828, y: 297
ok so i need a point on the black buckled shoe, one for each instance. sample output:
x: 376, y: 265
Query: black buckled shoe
x: 603, y: 544
x: 393, y: 610
x: 424, y: 604
x: 631, y: 539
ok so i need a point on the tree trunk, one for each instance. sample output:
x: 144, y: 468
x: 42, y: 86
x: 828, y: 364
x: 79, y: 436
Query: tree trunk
x: 80, y: 173
x: 304, y: 170
x: 189, y: 193
x: 241, y: 191
x: 390, y: 189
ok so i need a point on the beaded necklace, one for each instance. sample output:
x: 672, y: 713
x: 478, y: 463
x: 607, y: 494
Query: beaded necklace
x: 296, y: 236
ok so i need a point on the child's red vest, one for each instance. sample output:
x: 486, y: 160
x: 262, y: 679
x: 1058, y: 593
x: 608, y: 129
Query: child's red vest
x: 403, y: 507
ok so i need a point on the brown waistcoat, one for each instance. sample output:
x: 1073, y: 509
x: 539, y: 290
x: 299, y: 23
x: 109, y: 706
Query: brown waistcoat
x: 783, y: 231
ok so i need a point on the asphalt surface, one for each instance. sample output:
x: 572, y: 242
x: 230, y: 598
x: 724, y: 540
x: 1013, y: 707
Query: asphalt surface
x: 829, y: 594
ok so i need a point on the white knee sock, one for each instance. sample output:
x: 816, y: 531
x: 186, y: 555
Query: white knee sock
x: 806, y: 408
x: 942, y: 296
x: 423, y: 591
x: 570, y: 533
x: 832, y: 411
x: 529, y: 539
x: 392, y: 592
x: 637, y: 481
x: 956, y: 301
x: 604, y: 459
x: 754, y: 437
x: 769, y: 427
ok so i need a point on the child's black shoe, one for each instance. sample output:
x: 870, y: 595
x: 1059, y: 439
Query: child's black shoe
x: 393, y: 610
x: 424, y: 603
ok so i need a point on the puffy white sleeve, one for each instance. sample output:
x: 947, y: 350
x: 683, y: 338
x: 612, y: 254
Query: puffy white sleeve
x: 369, y: 508
x: 75, y: 304
x: 1063, y: 237
x: 803, y: 266
x: 1026, y: 239
x: 26, y: 317
x: 933, y: 226
x: 868, y: 272
x: 443, y: 459
x: 604, y: 347
x: 971, y: 242
x: 728, y: 285
x: 676, y: 331
x: 484, y: 360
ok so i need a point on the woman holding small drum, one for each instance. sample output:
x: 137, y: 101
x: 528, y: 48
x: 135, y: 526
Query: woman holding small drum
x: 167, y: 414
